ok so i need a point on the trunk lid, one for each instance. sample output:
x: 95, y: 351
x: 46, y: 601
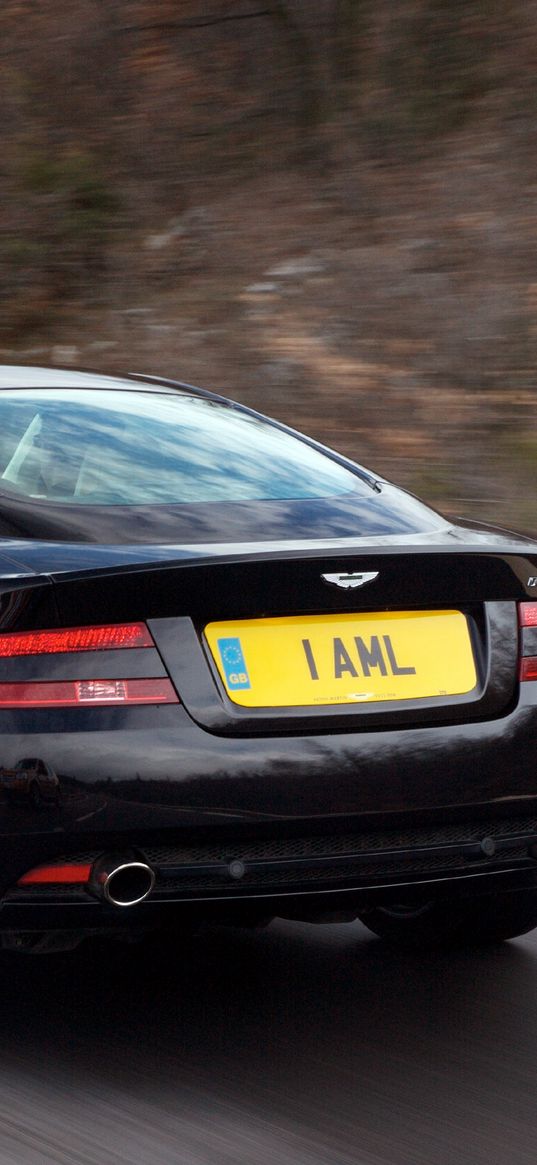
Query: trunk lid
x: 183, y: 600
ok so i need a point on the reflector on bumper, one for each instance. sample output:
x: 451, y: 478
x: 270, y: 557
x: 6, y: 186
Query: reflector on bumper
x: 62, y: 874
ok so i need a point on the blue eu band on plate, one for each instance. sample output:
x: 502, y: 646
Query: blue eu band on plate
x: 233, y: 663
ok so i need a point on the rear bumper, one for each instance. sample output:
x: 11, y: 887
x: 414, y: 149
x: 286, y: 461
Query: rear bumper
x: 249, y: 885
x: 319, y: 823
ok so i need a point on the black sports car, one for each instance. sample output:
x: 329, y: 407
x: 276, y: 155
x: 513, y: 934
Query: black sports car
x: 264, y: 682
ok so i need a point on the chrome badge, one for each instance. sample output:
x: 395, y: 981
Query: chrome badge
x: 348, y: 581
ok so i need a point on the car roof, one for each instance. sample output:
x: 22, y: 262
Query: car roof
x: 26, y: 376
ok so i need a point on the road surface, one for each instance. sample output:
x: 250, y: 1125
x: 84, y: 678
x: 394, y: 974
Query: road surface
x: 295, y: 1045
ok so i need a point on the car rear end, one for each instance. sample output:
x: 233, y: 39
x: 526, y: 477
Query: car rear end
x: 267, y: 685
x: 208, y: 800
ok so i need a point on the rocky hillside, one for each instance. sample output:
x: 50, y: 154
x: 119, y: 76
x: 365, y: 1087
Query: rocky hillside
x: 327, y: 208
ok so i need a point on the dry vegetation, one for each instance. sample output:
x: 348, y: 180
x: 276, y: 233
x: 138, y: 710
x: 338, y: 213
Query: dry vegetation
x: 326, y: 208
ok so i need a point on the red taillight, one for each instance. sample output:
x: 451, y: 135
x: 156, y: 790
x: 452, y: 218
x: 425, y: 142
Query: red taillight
x: 528, y: 668
x: 83, y: 693
x: 527, y: 664
x: 64, y: 874
x: 101, y: 638
x: 527, y: 614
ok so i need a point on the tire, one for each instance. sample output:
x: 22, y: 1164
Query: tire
x: 479, y: 921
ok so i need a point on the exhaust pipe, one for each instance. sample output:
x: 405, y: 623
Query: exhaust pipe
x: 121, y: 880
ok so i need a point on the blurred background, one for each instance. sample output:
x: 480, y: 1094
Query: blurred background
x: 324, y: 208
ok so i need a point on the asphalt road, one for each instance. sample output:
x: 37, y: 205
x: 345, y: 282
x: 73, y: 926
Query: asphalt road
x: 301, y: 1045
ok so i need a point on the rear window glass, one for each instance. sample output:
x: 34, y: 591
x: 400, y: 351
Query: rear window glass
x: 146, y: 467
x: 107, y: 448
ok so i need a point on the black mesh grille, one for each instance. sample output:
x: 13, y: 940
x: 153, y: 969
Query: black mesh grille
x: 286, y: 848
x: 349, y: 873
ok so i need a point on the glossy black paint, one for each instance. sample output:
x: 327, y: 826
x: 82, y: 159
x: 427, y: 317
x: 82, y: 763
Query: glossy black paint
x: 206, y: 771
x: 145, y: 525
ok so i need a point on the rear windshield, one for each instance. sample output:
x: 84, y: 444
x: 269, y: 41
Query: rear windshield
x: 109, y: 466
x: 150, y: 449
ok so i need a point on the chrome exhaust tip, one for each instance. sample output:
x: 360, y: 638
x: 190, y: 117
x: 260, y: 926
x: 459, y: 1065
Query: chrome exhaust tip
x: 122, y: 881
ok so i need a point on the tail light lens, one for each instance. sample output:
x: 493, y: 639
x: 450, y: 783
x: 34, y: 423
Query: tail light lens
x: 81, y: 693
x: 527, y: 614
x: 85, y: 693
x: 102, y: 638
x: 527, y: 621
x: 528, y: 668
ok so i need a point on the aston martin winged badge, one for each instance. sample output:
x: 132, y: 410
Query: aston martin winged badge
x: 348, y: 581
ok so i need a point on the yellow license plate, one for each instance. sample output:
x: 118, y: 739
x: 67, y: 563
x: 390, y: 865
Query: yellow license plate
x: 343, y: 659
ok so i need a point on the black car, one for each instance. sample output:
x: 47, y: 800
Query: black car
x: 264, y: 681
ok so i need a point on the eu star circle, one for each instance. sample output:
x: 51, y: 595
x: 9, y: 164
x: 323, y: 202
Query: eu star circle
x: 232, y: 655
